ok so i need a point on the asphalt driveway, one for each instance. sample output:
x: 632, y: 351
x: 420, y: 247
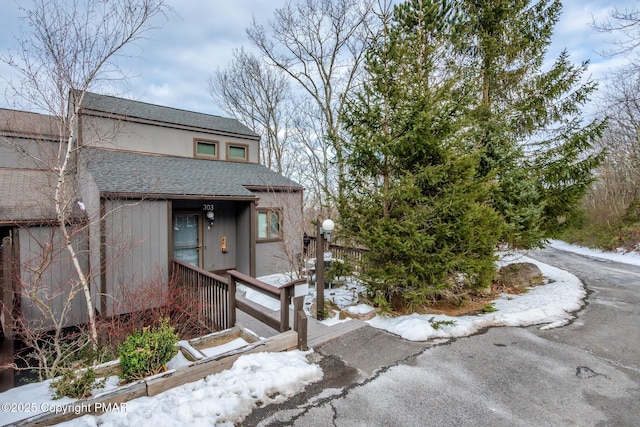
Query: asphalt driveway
x: 586, y: 373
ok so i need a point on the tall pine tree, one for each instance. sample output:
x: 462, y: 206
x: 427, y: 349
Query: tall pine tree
x: 413, y: 196
x: 460, y: 141
x: 528, y: 120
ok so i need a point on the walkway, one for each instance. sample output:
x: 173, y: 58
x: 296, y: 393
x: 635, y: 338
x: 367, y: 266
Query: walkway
x: 317, y: 332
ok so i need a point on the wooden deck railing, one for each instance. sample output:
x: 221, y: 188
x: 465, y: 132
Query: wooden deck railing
x: 209, y: 298
x: 352, y: 255
x: 284, y: 294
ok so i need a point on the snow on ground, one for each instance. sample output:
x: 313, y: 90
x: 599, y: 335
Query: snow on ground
x: 620, y: 256
x: 262, y: 378
x: 552, y: 304
x: 221, y: 399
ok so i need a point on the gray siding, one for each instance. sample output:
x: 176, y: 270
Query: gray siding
x: 25, y: 137
x: 151, y: 138
x: 225, y: 225
x: 280, y: 256
x: 244, y: 238
x: 135, y: 254
x: 47, y: 272
x: 22, y: 153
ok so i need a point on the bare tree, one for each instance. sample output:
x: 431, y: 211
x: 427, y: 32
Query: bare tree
x: 71, y: 47
x: 320, y: 45
x: 50, y: 302
x: 288, y: 255
x: 259, y: 95
x: 618, y: 178
x: 624, y: 22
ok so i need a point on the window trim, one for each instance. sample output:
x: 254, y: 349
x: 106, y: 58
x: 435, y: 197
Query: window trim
x: 213, y: 142
x: 229, y: 145
x: 269, y: 212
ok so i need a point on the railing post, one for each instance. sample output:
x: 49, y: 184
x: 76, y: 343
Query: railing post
x: 285, y: 298
x: 7, y: 291
x: 301, y: 318
x: 298, y: 303
x: 231, y: 282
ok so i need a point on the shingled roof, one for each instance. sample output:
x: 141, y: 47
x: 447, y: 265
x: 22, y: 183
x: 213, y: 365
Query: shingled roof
x: 24, y: 124
x: 142, y: 110
x: 27, y: 196
x: 134, y: 173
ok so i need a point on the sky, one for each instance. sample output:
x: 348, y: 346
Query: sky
x: 262, y: 378
x: 173, y: 66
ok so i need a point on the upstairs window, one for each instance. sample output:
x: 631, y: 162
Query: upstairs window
x: 205, y: 148
x: 269, y: 224
x: 238, y: 152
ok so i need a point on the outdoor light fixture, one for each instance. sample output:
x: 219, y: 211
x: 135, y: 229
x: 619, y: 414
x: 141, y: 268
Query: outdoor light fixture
x: 327, y: 228
x: 211, y: 216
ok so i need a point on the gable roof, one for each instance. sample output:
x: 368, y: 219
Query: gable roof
x: 125, y: 172
x: 157, y: 113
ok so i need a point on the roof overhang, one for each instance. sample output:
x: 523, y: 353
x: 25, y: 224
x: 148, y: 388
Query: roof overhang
x: 139, y: 196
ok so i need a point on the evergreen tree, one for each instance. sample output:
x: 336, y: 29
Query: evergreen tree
x: 460, y: 141
x: 413, y: 197
x: 528, y: 120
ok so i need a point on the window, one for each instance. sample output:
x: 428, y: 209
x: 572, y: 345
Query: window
x: 237, y: 152
x: 205, y: 148
x: 269, y: 224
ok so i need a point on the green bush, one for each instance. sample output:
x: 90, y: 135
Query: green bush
x: 76, y: 384
x: 145, y: 353
x: 337, y: 269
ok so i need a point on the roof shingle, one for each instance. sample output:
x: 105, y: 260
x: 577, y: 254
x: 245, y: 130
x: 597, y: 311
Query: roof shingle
x: 135, y: 173
x: 28, y: 196
x: 158, y: 113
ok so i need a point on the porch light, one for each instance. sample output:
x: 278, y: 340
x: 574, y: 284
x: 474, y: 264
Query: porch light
x: 211, y: 216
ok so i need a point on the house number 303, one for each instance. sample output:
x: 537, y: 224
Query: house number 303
x: 207, y: 207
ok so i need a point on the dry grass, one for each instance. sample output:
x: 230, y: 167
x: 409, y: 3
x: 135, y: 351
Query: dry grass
x: 471, y: 304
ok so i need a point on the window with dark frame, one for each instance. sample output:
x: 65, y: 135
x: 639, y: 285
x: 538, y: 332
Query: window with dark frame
x: 269, y: 224
x: 205, y: 148
x: 237, y: 152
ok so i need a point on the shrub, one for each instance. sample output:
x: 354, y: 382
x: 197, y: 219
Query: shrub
x: 76, y: 384
x: 337, y: 269
x: 145, y: 353
x: 162, y: 299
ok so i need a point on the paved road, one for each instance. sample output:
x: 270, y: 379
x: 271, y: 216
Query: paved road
x: 584, y: 374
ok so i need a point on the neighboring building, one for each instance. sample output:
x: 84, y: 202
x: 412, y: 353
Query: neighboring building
x: 153, y: 183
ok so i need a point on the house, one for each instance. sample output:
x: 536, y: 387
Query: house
x: 152, y: 184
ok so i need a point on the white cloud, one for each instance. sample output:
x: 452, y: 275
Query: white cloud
x: 172, y: 66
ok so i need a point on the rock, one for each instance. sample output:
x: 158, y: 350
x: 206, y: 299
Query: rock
x: 519, y: 276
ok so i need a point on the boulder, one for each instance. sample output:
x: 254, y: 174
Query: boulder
x: 518, y: 277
